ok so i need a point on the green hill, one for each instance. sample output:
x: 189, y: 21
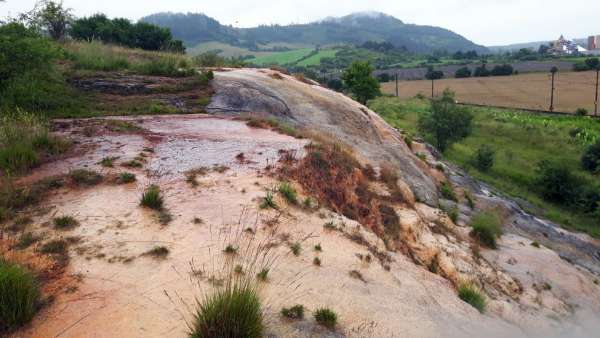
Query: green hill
x: 351, y: 29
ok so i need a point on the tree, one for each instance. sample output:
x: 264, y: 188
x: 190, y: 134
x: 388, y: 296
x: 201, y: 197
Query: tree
x: 446, y: 123
x: 556, y: 182
x: 483, y: 159
x: 433, y: 75
x: 358, y: 79
x: 502, y: 70
x: 54, y: 18
x: 481, y: 71
x: 463, y: 72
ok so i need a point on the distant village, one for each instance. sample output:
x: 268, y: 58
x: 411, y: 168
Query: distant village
x: 563, y: 46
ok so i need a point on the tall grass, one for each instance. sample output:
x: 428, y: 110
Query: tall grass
x: 471, y: 295
x: 487, y: 227
x: 19, y: 296
x: 24, y: 139
x: 102, y: 57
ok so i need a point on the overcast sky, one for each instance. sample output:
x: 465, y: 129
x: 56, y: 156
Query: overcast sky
x: 487, y: 22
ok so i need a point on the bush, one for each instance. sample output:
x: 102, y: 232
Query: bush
x: 487, y: 227
x: 463, y: 72
x: 502, y: 70
x: 471, y: 295
x: 590, y: 160
x: 151, y: 198
x: 581, y: 112
x: 326, y: 317
x: 447, y: 122
x: 125, y: 178
x: 483, y: 159
x: 19, y: 296
x: 232, y: 311
x: 557, y: 183
x: 65, y: 222
x: 447, y: 192
x: 85, y: 177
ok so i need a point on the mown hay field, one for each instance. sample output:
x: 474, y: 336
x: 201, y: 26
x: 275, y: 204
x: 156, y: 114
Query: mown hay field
x: 528, y: 91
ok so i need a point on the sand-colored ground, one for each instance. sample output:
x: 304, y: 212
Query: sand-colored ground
x: 531, y: 91
x: 123, y: 293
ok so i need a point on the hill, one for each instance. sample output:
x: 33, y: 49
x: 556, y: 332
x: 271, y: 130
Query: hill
x: 351, y: 29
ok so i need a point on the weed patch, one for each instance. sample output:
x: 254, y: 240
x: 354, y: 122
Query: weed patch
x: 65, y: 222
x: 151, y: 198
x: 85, y: 177
x: 19, y: 296
x: 294, y: 312
x: 487, y: 227
x: 326, y: 317
x: 471, y: 295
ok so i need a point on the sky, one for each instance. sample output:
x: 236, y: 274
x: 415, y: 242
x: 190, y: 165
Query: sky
x: 486, y: 22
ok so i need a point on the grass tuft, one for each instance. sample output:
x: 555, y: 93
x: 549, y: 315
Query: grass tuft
x: 85, y: 177
x: 471, y: 295
x: 269, y: 202
x: 288, y: 192
x: 19, y: 296
x: 159, y: 252
x: 263, y: 275
x: 487, y: 227
x: 125, y: 178
x: 294, y: 312
x: 296, y: 248
x: 151, y: 198
x: 65, y: 222
x: 231, y: 311
x: 326, y: 318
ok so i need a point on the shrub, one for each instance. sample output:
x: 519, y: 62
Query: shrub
x: 487, y: 227
x: 463, y: 72
x: 326, y: 317
x: 19, y: 296
x: 590, y: 160
x: 318, y: 247
x: 151, y: 198
x: 483, y: 159
x: 296, y: 248
x: 108, y: 162
x: 581, y: 112
x: 317, y: 261
x: 231, y: 311
x: 557, y: 183
x: 471, y: 295
x: 288, y: 192
x: 294, y: 312
x: 65, y: 222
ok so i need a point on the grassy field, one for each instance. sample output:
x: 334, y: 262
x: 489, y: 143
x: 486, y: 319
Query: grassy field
x: 281, y: 58
x: 226, y: 50
x: 527, y: 91
x: 521, y: 140
x: 315, y: 60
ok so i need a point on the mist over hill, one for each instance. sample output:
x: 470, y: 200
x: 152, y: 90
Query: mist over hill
x: 355, y: 28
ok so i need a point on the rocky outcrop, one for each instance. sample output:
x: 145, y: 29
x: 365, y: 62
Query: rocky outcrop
x: 322, y: 112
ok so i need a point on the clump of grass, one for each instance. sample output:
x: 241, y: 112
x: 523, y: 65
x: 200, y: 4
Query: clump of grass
x: 263, y: 275
x: 133, y: 164
x: 65, y: 222
x: 288, y: 192
x: 85, y: 177
x: 294, y: 312
x: 326, y: 317
x: 447, y: 191
x: 308, y: 203
x: 487, y: 228
x: 329, y: 226
x: 318, y: 247
x: 470, y: 199
x: 24, y: 140
x: 471, y: 295
x: 238, y: 270
x: 317, y: 261
x: 19, y: 296
x: 108, y: 162
x: 296, y: 248
x: 55, y: 247
x: 230, y: 249
x: 26, y: 240
x: 269, y: 202
x: 197, y: 220
x: 535, y: 244
x: 159, y: 252
x: 231, y: 311
x: 164, y: 217
x: 151, y: 198
x: 125, y: 178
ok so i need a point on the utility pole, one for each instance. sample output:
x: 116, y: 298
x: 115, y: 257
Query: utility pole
x: 596, y: 100
x: 554, y: 70
x: 397, y: 86
x: 432, y: 88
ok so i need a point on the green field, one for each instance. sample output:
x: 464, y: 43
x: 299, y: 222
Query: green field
x: 281, y: 58
x: 225, y: 50
x: 315, y: 60
x: 521, y: 140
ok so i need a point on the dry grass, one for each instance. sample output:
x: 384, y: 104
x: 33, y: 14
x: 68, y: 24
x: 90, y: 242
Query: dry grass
x: 529, y: 91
